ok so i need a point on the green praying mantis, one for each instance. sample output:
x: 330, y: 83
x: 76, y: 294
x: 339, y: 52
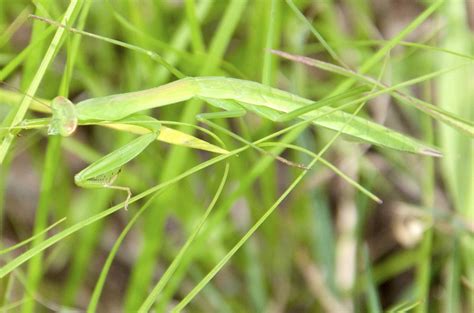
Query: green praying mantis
x: 234, y: 96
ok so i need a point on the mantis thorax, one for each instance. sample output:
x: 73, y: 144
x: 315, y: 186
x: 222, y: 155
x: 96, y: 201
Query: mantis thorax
x: 64, y: 120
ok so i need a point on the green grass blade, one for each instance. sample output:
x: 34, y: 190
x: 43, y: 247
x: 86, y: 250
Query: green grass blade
x: 94, y: 300
x: 455, y: 94
x: 435, y: 112
x: 151, y: 54
x: 20, y: 57
x: 147, y: 304
x: 196, y: 35
x: 316, y: 34
x: 181, y: 305
x: 26, y: 241
x: 19, y: 260
x: 373, y: 302
x: 14, y: 26
x: 326, y: 163
x: 52, y: 50
x: 384, y: 51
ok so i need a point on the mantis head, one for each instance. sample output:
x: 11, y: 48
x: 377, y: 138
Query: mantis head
x: 64, y: 120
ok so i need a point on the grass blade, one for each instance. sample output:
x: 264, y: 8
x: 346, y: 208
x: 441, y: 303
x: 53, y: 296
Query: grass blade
x: 51, y: 52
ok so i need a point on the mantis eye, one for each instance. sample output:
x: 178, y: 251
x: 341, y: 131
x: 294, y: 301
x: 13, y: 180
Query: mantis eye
x: 64, y: 120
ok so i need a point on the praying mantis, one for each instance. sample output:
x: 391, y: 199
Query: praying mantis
x: 234, y: 96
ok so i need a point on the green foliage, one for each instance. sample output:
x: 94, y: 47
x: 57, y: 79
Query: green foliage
x: 272, y: 212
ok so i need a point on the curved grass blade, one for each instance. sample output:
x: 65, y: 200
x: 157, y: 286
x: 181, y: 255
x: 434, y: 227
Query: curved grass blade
x: 326, y: 163
x: 24, y: 257
x: 435, y: 112
x: 146, y: 306
x: 94, y: 301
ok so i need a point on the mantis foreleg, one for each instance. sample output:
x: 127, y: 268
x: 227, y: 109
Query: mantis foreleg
x: 103, y: 172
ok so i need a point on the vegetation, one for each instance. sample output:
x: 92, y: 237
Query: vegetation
x: 281, y: 155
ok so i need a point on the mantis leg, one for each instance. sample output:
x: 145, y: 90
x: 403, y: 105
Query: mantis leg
x: 319, y: 104
x: 103, y: 172
x: 234, y: 109
x: 231, y: 109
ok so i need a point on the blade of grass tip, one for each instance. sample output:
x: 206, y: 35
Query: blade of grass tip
x: 435, y: 112
x: 147, y: 304
x: 181, y: 305
x: 50, y: 53
x: 27, y: 255
x: 176, y: 137
x: 94, y: 300
x: 402, y: 142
